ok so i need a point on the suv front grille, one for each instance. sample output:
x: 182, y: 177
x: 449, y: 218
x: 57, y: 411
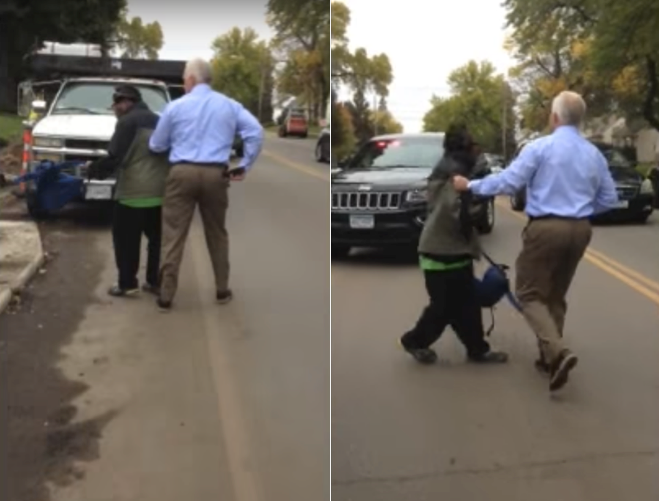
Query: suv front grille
x: 86, y: 144
x: 627, y: 192
x: 366, y: 201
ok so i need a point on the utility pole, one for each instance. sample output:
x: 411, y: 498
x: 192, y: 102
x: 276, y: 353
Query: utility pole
x: 264, y: 68
x: 375, y: 116
x: 504, y: 119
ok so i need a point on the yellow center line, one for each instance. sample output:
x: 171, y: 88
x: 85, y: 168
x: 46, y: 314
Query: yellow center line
x: 635, y: 280
x: 647, y: 282
x: 297, y: 166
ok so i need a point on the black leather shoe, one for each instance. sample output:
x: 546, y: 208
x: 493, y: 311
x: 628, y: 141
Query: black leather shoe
x: 561, y: 369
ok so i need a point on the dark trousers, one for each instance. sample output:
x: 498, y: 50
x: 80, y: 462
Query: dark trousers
x: 129, y: 224
x: 453, y: 302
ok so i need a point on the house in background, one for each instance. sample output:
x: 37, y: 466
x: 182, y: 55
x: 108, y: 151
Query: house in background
x: 619, y: 132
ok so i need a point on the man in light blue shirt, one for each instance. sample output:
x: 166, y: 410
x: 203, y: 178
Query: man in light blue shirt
x: 198, y: 131
x: 567, y: 181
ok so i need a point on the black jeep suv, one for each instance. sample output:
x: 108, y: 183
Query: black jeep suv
x: 379, y: 194
x: 635, y: 193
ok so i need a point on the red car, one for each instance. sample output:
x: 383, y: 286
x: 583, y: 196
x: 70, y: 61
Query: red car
x: 294, y: 123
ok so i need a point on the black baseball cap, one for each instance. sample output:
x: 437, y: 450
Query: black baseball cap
x: 128, y: 92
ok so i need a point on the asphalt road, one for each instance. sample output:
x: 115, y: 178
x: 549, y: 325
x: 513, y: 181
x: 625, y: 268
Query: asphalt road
x: 458, y: 432
x: 111, y: 400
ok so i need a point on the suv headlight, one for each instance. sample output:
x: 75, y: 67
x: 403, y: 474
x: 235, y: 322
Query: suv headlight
x: 646, y: 187
x: 417, y: 195
x: 48, y: 142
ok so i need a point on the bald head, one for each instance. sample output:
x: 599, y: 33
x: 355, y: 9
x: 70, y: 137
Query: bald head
x: 568, y: 108
x: 197, y: 71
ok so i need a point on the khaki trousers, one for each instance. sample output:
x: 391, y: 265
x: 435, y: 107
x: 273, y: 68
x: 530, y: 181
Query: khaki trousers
x: 551, y: 251
x: 189, y: 186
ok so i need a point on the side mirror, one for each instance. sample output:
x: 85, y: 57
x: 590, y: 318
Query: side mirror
x: 39, y: 106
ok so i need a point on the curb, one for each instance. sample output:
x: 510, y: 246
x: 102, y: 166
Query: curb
x: 22, y: 280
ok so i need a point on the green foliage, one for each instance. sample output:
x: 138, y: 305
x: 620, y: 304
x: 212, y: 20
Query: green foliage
x: 478, y: 98
x: 302, y: 38
x: 339, y: 41
x: 11, y: 127
x: 385, y: 123
x: 608, y: 51
x: 138, y: 40
x: 360, y: 116
x: 242, y: 69
x: 25, y: 25
x: 343, y: 132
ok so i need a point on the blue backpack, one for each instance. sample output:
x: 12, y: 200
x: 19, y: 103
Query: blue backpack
x: 493, y: 287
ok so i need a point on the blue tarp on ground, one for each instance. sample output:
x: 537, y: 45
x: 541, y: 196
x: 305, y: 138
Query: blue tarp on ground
x: 54, y: 189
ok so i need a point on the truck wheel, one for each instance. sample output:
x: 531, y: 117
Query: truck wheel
x: 485, y: 223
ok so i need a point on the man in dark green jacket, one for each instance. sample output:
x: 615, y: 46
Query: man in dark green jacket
x: 140, y: 188
x: 447, y: 249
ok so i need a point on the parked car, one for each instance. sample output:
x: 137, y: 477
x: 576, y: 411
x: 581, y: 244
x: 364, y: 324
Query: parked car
x: 654, y: 179
x: 294, y: 123
x: 636, y: 193
x: 495, y: 163
x: 379, y: 194
x: 323, y: 146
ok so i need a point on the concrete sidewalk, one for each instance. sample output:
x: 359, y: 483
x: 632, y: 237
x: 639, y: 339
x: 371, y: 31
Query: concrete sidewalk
x: 21, y: 255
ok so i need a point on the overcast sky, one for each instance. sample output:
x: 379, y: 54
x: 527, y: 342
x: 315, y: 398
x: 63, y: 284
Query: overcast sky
x: 191, y: 26
x: 425, y: 40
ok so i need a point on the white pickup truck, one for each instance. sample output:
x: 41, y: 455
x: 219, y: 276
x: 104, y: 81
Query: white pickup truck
x: 78, y: 125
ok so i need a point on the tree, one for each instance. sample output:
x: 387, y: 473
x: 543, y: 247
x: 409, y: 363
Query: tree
x: 367, y: 75
x: 552, y: 48
x: 480, y: 98
x: 605, y: 50
x: 242, y: 69
x: 24, y: 26
x: 303, y: 36
x: 339, y: 41
x: 344, y: 139
x: 138, y: 40
x: 625, y: 52
x: 360, y: 116
x: 385, y: 123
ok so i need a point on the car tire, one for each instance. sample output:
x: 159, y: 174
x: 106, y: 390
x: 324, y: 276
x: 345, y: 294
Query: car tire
x: 485, y: 223
x: 305, y: 135
x: 340, y: 251
x: 322, y: 153
x: 643, y: 218
x: 517, y: 203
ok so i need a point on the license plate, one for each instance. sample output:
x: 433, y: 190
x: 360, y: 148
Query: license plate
x: 98, y: 192
x: 362, y: 222
x: 622, y: 204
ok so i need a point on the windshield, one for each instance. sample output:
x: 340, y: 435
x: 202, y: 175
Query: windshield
x: 615, y: 157
x: 416, y: 152
x: 96, y: 98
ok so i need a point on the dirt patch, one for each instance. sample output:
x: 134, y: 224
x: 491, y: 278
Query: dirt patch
x: 10, y: 159
x: 40, y: 440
